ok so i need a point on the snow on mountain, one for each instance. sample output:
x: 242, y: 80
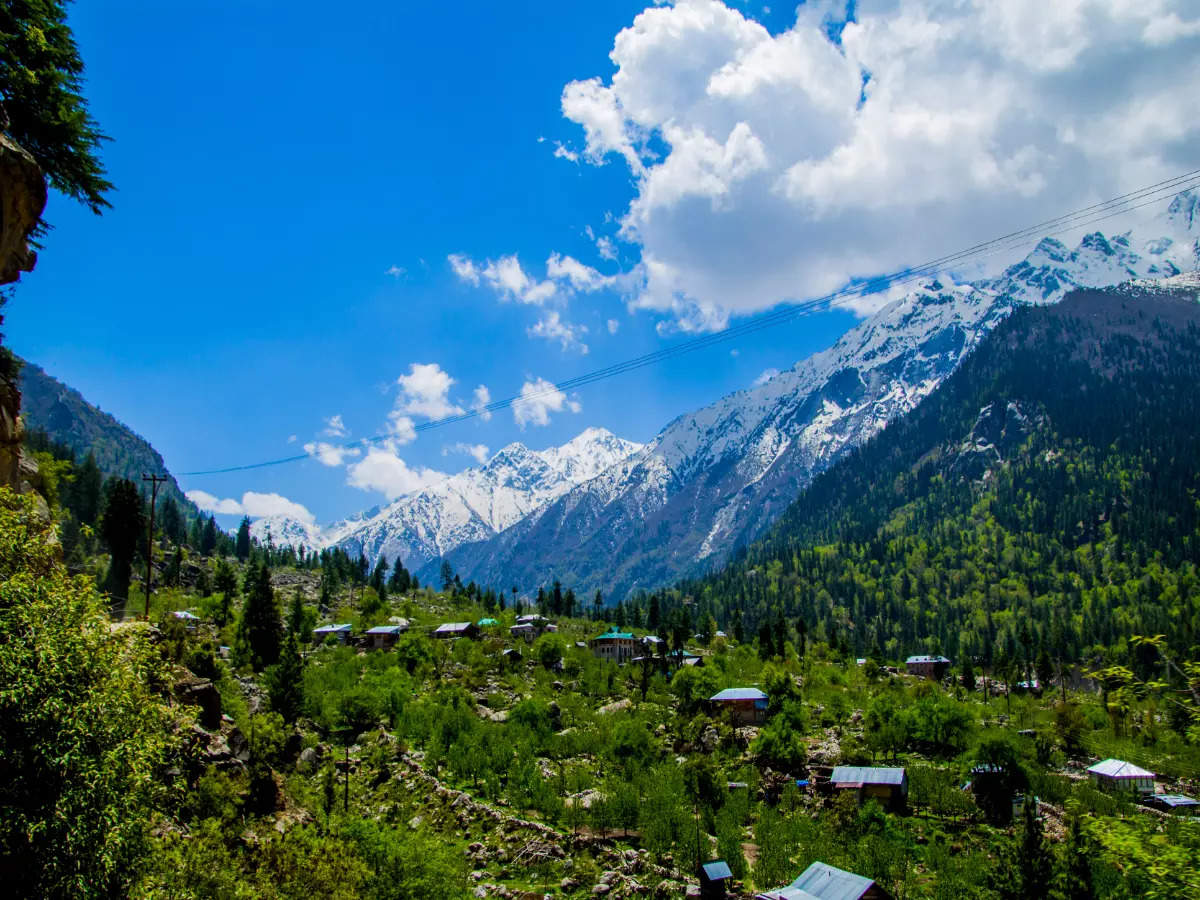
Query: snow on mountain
x: 715, y: 478
x: 473, y: 505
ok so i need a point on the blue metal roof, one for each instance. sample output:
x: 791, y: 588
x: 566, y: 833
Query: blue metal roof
x: 738, y: 694
x: 823, y: 882
x: 1176, y: 800
x: 482, y: 623
x: 385, y: 629
x: 926, y: 659
x: 612, y: 635
x: 866, y: 775
x: 716, y: 870
x: 331, y: 629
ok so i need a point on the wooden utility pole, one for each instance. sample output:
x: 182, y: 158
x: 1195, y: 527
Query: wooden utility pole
x: 155, y: 481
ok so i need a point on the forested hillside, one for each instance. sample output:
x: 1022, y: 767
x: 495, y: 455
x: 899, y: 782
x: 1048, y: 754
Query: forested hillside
x: 71, y: 421
x: 1043, y: 497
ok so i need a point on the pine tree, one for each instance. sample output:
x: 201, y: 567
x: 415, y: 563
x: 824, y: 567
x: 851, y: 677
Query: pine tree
x: 242, y: 547
x: 172, y: 520
x: 225, y: 583
x: 122, y: 527
x: 259, y: 631
x: 285, y: 681
x: 86, y: 491
x: 1074, y: 880
x: 208, y: 543
x: 1035, y: 860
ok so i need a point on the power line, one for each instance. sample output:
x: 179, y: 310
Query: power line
x: 1081, y: 218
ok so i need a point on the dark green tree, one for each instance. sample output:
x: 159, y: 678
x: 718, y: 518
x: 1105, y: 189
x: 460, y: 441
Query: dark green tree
x: 41, y: 83
x: 225, y: 583
x: 208, y: 540
x: 86, y: 491
x: 122, y: 528
x: 171, y: 519
x: 242, y: 547
x: 259, y: 630
x: 284, y: 681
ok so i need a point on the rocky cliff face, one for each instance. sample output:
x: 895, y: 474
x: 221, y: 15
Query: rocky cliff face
x: 22, y: 199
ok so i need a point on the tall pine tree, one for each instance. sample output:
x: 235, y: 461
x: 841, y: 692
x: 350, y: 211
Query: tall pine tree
x: 259, y: 630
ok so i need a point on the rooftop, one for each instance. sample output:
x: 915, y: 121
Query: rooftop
x: 1175, y: 801
x: 822, y: 882
x: 330, y: 629
x: 866, y: 775
x: 614, y: 635
x: 1118, y: 768
x: 385, y: 629
x: 925, y: 659
x: 716, y: 870
x: 738, y: 694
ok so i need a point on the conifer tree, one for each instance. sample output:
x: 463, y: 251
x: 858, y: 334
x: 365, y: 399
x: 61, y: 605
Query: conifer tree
x: 208, y: 543
x: 122, y: 527
x: 225, y: 583
x: 259, y: 631
x: 284, y: 681
x: 86, y: 491
x: 172, y: 520
x: 242, y: 548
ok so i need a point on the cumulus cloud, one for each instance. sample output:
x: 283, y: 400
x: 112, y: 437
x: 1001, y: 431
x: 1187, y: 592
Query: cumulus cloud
x: 395, y: 271
x: 383, y: 470
x: 538, y: 399
x: 464, y: 268
x: 425, y: 391
x: 254, y: 505
x: 505, y: 276
x: 605, y: 247
x: 564, y: 152
x: 552, y: 327
x: 330, y: 454
x: 477, y: 451
x: 774, y: 167
x: 335, y: 427
x: 613, y: 326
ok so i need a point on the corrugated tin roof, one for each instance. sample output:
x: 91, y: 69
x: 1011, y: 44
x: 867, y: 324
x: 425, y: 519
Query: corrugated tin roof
x: 717, y: 870
x: 1118, y: 768
x: 866, y: 775
x: 484, y: 622
x: 738, y: 694
x: 925, y: 659
x: 613, y: 635
x: 1176, y: 800
x: 330, y: 629
x: 452, y: 626
x: 386, y: 629
x: 823, y: 882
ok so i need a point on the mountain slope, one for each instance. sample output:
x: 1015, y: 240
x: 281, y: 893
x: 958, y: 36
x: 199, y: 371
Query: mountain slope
x: 713, y: 479
x: 64, y: 414
x: 471, y: 506
x: 1044, y: 493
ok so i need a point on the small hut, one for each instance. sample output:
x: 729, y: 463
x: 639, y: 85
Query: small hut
x: 934, y: 667
x: 745, y: 706
x: 1118, y: 776
x: 384, y: 637
x: 821, y: 881
x: 451, y: 630
x: 887, y: 785
x: 713, y: 876
x: 340, y: 633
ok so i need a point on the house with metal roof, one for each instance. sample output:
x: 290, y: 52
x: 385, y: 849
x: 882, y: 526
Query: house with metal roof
x: 887, y: 785
x: 487, y: 622
x: 384, y: 637
x: 713, y: 876
x: 340, y: 633
x: 451, y: 630
x: 821, y: 881
x: 189, y: 620
x: 1175, y: 803
x: 529, y: 627
x: 1119, y: 776
x: 615, y: 646
x: 743, y: 706
x: 934, y: 667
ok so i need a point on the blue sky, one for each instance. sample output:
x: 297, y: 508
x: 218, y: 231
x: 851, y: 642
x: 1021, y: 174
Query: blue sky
x: 293, y: 186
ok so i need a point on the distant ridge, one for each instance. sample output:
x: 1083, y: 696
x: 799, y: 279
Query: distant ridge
x: 68, y: 418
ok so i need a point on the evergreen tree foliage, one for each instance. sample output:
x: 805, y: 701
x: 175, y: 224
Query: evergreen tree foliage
x: 259, y: 629
x: 122, y: 528
x: 284, y: 680
x: 242, y: 547
x: 225, y: 583
x: 41, y: 83
x: 208, y: 540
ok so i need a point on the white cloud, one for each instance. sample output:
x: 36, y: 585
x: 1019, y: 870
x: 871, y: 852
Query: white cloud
x: 382, y: 470
x: 767, y: 375
x: 254, y: 505
x: 330, y: 454
x: 425, y: 391
x: 292, y: 439
x: 478, y: 451
x: 464, y: 268
x: 613, y: 326
x: 335, y: 427
x: 480, y: 400
x: 563, y: 152
x: 538, y: 399
x: 605, y: 247
x: 552, y: 327
x: 581, y: 277
x: 395, y: 271
x: 776, y: 167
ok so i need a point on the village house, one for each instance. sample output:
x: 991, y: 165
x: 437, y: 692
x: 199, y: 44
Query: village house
x: 451, y: 630
x: 1118, y: 776
x: 744, y: 706
x: 821, y: 881
x: 888, y: 786
x: 934, y: 667
x: 616, y: 646
x: 384, y: 637
x: 529, y: 627
x: 713, y: 876
x: 340, y: 633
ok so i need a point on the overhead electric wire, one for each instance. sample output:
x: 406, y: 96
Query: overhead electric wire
x: 1073, y: 221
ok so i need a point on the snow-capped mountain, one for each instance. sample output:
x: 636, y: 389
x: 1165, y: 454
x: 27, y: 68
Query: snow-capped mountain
x: 715, y: 478
x: 473, y: 505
